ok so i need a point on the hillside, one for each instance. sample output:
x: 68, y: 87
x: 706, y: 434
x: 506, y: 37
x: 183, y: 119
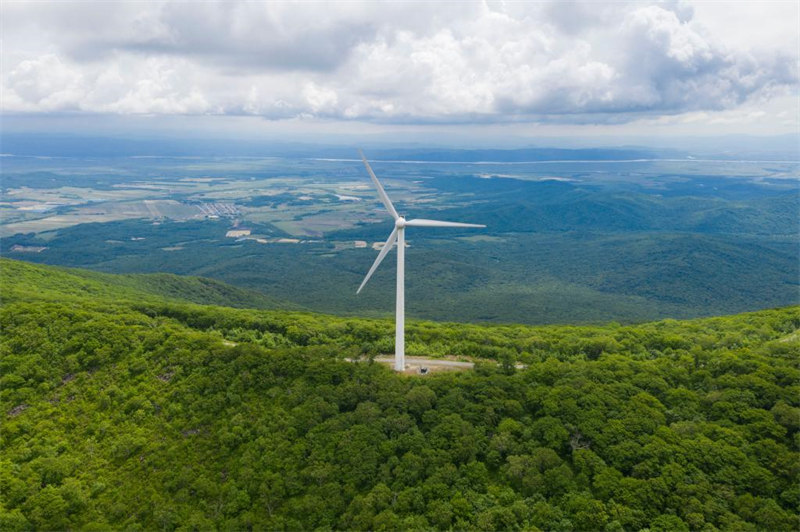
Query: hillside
x: 59, y: 283
x: 126, y: 406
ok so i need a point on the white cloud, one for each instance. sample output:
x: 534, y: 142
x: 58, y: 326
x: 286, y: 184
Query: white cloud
x: 45, y: 83
x: 320, y: 99
x: 418, y: 62
x: 154, y: 85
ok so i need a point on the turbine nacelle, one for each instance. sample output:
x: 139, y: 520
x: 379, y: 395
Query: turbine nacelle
x: 400, y: 223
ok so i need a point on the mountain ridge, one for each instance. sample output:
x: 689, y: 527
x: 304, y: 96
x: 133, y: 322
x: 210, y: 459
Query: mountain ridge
x: 125, y: 411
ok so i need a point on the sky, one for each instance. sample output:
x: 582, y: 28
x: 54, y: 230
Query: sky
x: 411, y: 70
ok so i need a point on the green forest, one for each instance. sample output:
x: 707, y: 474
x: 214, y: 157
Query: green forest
x: 127, y: 404
x: 584, y: 242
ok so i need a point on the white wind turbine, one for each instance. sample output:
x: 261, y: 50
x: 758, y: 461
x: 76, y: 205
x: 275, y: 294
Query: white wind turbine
x: 398, y: 236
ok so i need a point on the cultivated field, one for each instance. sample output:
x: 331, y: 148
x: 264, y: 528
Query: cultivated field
x: 564, y: 242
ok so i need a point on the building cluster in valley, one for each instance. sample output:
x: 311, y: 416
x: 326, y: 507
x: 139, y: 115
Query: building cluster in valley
x: 242, y: 234
x: 218, y: 210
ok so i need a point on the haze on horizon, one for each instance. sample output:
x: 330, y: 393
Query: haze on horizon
x: 488, y: 70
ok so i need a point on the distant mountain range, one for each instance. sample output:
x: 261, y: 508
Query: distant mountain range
x: 63, y: 145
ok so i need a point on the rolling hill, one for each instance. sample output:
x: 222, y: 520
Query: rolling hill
x: 60, y: 283
x: 124, y: 405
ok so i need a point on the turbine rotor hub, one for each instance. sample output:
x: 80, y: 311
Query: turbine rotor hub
x: 400, y: 223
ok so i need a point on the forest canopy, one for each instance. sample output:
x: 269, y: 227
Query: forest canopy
x: 124, y: 406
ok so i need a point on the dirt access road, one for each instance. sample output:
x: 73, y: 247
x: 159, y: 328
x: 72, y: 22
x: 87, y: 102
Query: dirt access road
x: 426, y: 366
x: 414, y: 365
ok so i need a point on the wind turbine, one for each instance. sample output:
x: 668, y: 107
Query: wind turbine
x: 398, y: 235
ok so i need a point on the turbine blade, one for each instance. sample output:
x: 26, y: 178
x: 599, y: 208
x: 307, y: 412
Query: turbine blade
x: 420, y: 222
x: 386, y: 247
x: 381, y: 192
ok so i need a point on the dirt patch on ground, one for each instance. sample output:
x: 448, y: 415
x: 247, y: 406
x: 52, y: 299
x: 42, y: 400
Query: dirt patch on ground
x: 425, y: 366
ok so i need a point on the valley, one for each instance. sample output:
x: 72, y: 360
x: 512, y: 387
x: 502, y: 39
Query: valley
x: 567, y: 241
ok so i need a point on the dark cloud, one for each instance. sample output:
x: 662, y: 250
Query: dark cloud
x: 249, y: 37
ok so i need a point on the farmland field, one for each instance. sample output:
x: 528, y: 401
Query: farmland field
x: 566, y: 241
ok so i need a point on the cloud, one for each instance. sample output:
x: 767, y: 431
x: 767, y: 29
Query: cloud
x: 151, y: 86
x: 45, y: 83
x: 396, y: 63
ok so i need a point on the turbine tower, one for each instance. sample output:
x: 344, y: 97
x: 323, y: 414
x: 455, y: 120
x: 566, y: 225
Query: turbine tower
x: 398, y: 236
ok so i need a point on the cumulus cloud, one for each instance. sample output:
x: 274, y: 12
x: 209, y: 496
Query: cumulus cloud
x: 418, y: 62
x: 46, y: 83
